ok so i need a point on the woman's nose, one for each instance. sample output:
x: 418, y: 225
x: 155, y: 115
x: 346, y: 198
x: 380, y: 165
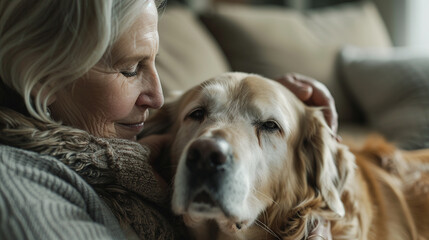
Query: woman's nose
x: 151, y: 95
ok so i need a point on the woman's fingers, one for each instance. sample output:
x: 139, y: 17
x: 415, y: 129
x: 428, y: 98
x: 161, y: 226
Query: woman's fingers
x: 312, y: 93
x: 302, y: 90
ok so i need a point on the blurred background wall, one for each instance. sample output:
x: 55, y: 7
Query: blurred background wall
x: 407, y: 21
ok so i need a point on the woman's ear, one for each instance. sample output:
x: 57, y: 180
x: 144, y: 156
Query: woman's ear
x: 329, y: 163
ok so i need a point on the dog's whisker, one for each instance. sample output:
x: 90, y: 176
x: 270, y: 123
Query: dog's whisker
x: 264, y: 195
x: 265, y: 214
x: 266, y: 228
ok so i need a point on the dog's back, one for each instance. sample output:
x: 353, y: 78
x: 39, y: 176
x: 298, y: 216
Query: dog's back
x: 394, y: 192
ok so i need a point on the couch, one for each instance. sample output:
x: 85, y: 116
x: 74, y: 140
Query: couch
x: 376, y: 87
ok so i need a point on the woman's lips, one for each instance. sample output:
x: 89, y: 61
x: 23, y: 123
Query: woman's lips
x: 136, y: 126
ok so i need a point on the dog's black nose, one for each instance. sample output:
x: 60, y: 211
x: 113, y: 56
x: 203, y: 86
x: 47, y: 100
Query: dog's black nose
x: 207, y: 155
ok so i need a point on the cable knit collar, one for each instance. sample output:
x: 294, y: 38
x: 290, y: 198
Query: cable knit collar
x: 118, y: 169
x: 79, y: 150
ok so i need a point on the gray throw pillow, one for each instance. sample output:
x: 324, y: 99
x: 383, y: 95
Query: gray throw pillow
x: 392, y: 89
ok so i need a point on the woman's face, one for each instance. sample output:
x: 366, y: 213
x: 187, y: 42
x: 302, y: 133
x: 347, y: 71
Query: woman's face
x: 114, y: 102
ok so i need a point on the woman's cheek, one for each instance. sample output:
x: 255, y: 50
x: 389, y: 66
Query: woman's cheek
x: 120, y: 106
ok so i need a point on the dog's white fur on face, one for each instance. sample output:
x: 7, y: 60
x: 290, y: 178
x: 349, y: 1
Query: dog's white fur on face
x: 252, y: 134
x: 246, y: 148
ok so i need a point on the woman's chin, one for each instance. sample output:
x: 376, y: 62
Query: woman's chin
x: 128, y: 131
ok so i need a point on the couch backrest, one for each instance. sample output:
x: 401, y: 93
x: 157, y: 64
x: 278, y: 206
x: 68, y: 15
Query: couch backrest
x: 269, y: 41
x: 188, y: 54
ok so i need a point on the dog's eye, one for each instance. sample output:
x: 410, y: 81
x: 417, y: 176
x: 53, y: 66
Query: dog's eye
x: 197, y: 114
x: 269, y: 126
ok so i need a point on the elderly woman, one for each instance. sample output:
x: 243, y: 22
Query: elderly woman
x: 77, y: 80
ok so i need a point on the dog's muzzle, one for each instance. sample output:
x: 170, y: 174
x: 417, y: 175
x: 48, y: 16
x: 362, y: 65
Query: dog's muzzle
x: 208, y: 156
x: 209, y: 162
x: 208, y: 182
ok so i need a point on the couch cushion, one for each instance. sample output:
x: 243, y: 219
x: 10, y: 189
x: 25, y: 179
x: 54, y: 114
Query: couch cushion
x: 188, y: 54
x: 272, y: 41
x: 392, y: 89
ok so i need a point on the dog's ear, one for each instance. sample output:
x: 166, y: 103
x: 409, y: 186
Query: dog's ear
x: 161, y: 121
x: 328, y: 163
x: 164, y: 119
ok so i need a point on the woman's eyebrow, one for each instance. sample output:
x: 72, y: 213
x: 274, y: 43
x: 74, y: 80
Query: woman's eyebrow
x: 134, y: 59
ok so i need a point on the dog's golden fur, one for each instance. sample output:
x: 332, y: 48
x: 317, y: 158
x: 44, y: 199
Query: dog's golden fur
x: 376, y: 192
x: 390, y: 193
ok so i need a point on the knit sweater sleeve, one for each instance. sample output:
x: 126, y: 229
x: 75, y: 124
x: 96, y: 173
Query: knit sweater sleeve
x: 40, y: 198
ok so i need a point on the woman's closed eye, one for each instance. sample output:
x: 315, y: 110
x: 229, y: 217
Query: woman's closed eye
x: 132, y: 72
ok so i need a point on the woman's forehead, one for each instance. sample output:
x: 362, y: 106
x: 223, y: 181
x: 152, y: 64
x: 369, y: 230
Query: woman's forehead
x: 141, y: 39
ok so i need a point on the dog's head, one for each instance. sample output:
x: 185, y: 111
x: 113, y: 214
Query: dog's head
x: 250, y: 156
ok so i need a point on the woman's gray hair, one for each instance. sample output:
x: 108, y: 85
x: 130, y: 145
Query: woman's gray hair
x: 48, y: 44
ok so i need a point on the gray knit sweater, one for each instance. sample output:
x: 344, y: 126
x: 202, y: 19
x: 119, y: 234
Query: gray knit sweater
x: 41, y: 198
x: 54, y: 180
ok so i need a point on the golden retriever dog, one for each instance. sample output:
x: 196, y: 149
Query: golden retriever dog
x: 253, y: 162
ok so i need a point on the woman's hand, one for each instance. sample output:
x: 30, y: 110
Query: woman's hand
x: 312, y: 93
